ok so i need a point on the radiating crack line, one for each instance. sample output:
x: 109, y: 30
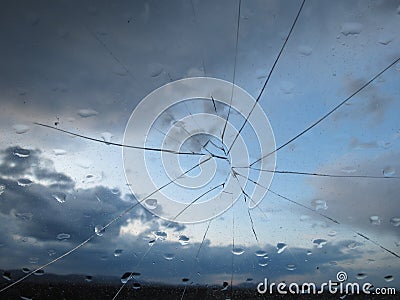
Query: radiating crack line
x: 319, y: 174
x: 269, y: 75
x: 234, y: 70
x: 329, y: 112
x: 122, y: 145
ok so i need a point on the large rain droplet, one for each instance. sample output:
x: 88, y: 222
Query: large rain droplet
x: 319, y: 204
x: 351, y: 28
x: 126, y: 277
x: 136, y: 286
x: 281, y: 247
x: 2, y: 188
x: 389, y: 278
x: 118, y: 252
x: 7, y: 275
x: 169, y: 256
x: 60, y: 197
x: 59, y: 152
x: 319, y: 242
x: 39, y: 272
x: 395, y: 221
x: 24, y: 182
x: 87, y: 112
x: 22, y: 152
x: 106, y: 136
x: 375, y: 220
x: 63, y: 236
x: 151, y: 203
x: 184, y: 240
x: 388, y: 171
x: 21, y: 128
x: 237, y: 251
x: 291, y: 267
x: 361, y: 276
x: 261, y: 253
x: 160, y: 235
x: 99, y: 230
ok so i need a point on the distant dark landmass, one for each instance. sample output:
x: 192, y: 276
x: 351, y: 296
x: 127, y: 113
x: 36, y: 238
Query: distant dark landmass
x: 49, y: 286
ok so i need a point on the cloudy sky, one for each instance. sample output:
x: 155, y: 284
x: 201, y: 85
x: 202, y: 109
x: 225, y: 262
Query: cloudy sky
x: 84, y: 67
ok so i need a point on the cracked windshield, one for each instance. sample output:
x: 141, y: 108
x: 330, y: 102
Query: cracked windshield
x: 199, y: 149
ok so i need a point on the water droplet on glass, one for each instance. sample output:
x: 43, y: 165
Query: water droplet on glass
x: 351, y: 28
x: 25, y: 270
x: 184, y: 240
x: 51, y: 252
x: 304, y: 218
x: 24, y: 182
x: 60, y: 197
x: 361, y: 276
x: 33, y: 260
x: 155, y: 69
x: 305, y: 50
x: 309, y: 252
x: 261, y: 253
x: 291, y: 267
x: 7, y: 275
x: 24, y: 216
x: 115, y: 191
x: 88, y: 278
x: 39, y: 272
x: 169, y: 256
x: 136, y: 286
x: 225, y: 285
x: 375, y: 220
x: 118, y: 252
x: 386, y: 39
x: 395, y: 221
x: 151, y: 203
x: 87, y: 112
x: 99, y: 230
x: 332, y: 233
x: 237, y: 251
x: 281, y: 247
x: 2, y: 188
x: 106, y: 136
x: 319, y: 242
x: 263, y: 261
x: 63, y: 236
x: 185, y: 279
x: 22, y: 152
x: 388, y: 278
x: 151, y: 242
x: 126, y: 277
x: 25, y: 298
x: 388, y: 171
x: 160, y: 235
x: 354, y: 245
x: 349, y: 170
x: 59, y: 152
x: 21, y: 128
x: 319, y: 204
